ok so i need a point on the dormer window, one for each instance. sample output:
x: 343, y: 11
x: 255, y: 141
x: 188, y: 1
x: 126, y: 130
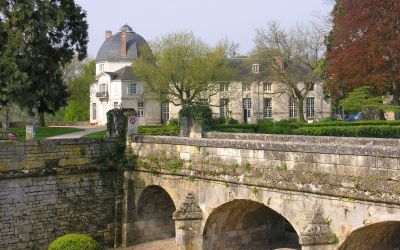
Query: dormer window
x: 224, y: 87
x: 132, y: 89
x: 267, y: 86
x: 101, y: 67
x: 256, y: 68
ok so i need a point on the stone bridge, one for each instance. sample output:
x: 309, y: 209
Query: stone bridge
x: 242, y: 191
x: 223, y: 191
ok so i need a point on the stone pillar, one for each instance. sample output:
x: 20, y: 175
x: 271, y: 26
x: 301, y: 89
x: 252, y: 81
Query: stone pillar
x: 185, y: 124
x: 317, y: 235
x: 188, y: 225
x: 190, y: 128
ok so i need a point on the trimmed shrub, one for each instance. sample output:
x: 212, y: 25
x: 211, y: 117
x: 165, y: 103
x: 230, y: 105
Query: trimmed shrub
x: 173, y: 121
x: 383, y: 131
x: 200, y: 113
x: 355, y: 123
x: 74, y: 242
x: 158, y: 130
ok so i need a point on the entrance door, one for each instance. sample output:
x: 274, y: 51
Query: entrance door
x: 246, y: 110
x: 141, y: 113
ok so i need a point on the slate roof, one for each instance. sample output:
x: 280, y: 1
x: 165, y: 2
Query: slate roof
x: 124, y: 74
x: 267, y: 73
x: 110, y: 50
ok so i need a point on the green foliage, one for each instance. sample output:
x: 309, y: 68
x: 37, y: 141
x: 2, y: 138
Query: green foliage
x: 74, y: 242
x: 44, y: 132
x: 368, y: 128
x: 173, y: 121
x: 158, y: 130
x: 255, y: 190
x: 335, y: 239
x: 37, y: 39
x: 79, y: 88
x: 96, y: 135
x: 357, y: 184
x: 174, y: 165
x: 321, y: 68
x: 76, y: 112
x: 247, y: 166
x: 382, y: 131
x: 183, y: 69
x: 117, y: 121
x: 282, y: 167
x: 362, y: 99
x: 200, y: 113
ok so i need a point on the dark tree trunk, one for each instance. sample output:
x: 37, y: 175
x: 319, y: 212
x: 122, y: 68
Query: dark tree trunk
x: 42, y: 122
x: 300, y: 110
x: 6, y: 123
x: 396, y: 101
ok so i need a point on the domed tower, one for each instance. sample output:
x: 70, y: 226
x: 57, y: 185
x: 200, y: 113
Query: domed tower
x: 119, y: 50
x: 116, y: 84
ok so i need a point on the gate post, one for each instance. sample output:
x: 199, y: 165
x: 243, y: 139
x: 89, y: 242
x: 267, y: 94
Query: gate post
x: 188, y: 224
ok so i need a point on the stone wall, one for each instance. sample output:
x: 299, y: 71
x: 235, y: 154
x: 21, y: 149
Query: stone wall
x: 364, y: 169
x: 52, y: 187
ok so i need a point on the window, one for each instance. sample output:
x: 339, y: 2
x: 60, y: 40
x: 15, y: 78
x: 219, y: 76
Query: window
x: 101, y: 67
x: 256, y: 68
x: 267, y: 86
x: 132, y: 89
x: 247, y: 107
x: 94, y: 111
x: 103, y: 88
x: 115, y: 105
x: 165, y: 111
x: 267, y: 108
x: 140, y: 109
x: 310, y: 110
x: 223, y: 87
x: 224, y: 107
x: 292, y: 108
x: 245, y: 86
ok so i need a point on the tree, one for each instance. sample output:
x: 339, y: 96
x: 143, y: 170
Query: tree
x: 363, y: 99
x: 364, y: 47
x: 79, y: 77
x: 40, y: 37
x: 294, y: 56
x: 182, y: 69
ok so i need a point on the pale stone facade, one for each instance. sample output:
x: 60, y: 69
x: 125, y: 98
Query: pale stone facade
x: 252, y: 97
x: 248, y: 99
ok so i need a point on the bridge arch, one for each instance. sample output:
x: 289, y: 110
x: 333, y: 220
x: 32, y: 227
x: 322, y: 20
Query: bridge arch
x: 154, y: 215
x: 381, y: 235
x: 246, y: 224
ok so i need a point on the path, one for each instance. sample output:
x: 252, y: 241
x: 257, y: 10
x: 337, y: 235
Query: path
x: 79, y: 134
x: 167, y: 244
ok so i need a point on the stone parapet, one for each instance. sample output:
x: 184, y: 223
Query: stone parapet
x: 364, y: 169
x: 50, y: 156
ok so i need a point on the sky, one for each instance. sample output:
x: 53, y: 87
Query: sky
x: 211, y: 20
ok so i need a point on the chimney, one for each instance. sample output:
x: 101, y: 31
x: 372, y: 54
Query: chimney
x: 108, y: 34
x: 123, y: 43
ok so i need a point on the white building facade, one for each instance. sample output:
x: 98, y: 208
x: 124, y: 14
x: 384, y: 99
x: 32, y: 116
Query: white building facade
x: 116, y: 85
x: 247, y: 100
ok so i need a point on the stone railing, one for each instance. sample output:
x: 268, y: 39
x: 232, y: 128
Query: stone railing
x: 356, y: 168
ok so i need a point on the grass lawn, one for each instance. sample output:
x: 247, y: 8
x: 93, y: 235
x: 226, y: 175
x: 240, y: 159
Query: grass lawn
x: 44, y: 132
x: 96, y: 135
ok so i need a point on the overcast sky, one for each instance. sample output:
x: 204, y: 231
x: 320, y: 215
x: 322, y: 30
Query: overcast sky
x: 212, y: 20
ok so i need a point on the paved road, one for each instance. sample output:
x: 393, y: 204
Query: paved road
x: 79, y: 134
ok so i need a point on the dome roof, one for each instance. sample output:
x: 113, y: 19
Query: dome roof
x: 110, y: 50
